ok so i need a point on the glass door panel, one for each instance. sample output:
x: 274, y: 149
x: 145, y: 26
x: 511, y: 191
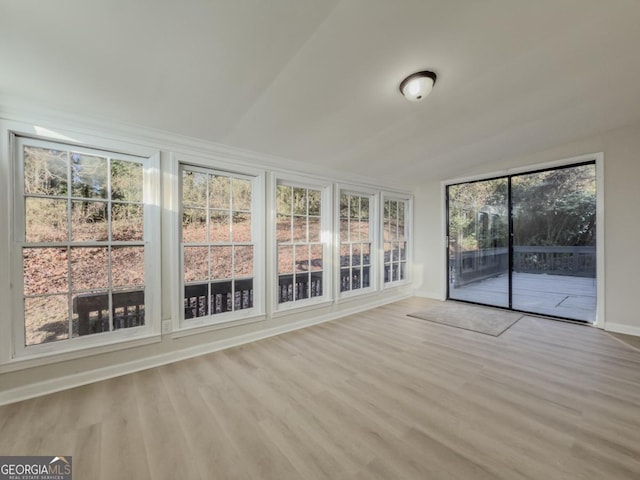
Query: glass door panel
x: 479, y: 242
x: 554, y: 242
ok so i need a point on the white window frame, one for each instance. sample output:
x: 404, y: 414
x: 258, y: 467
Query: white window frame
x: 408, y: 214
x: 236, y: 317
x: 326, y: 237
x: 374, y: 197
x: 22, y: 356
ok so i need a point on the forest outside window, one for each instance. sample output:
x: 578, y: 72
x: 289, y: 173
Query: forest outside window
x: 300, y: 250
x: 218, y: 245
x: 355, y: 242
x: 82, y: 242
x: 395, y: 240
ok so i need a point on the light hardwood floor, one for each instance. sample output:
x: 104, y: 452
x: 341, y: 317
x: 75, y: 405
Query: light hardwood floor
x: 376, y: 395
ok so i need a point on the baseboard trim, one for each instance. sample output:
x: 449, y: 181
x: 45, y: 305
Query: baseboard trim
x: 84, y: 378
x: 428, y: 294
x: 622, y: 328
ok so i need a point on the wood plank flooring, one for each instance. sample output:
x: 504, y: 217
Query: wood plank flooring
x: 376, y: 395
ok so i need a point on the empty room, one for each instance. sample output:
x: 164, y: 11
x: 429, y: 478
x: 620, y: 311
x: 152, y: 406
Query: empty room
x: 319, y: 239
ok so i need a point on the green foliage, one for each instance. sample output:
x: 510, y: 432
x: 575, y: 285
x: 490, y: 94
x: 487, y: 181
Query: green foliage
x: 554, y: 207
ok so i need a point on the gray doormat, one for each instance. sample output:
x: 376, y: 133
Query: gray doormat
x: 490, y: 321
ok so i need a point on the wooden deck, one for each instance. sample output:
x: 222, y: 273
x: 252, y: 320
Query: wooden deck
x: 558, y: 295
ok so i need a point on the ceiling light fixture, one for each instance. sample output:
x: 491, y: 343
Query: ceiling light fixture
x: 418, y: 85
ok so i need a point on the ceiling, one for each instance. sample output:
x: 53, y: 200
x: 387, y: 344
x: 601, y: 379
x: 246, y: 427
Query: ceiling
x: 316, y: 81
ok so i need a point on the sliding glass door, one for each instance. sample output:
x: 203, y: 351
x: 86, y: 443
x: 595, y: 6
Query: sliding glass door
x: 554, y: 242
x: 479, y: 241
x: 526, y: 242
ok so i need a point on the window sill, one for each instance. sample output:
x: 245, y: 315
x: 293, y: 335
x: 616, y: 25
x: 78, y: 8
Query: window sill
x: 357, y: 294
x: 30, y: 360
x: 303, y: 306
x: 187, y: 330
x: 396, y: 284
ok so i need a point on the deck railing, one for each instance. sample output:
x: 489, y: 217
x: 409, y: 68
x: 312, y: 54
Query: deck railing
x: 93, y: 311
x: 223, y: 297
x: 300, y: 286
x: 128, y: 307
x: 474, y: 265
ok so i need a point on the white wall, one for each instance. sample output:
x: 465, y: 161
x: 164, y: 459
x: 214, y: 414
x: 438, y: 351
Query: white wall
x: 621, y: 222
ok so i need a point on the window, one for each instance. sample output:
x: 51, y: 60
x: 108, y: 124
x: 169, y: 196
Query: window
x: 395, y: 240
x: 82, y: 239
x: 218, y: 244
x: 300, y: 250
x: 355, y: 242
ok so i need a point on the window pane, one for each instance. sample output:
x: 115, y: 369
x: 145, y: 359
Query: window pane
x: 45, y: 270
x: 401, y: 232
x: 127, y: 222
x: 285, y: 259
x: 46, y: 319
x: 89, y: 221
x: 128, y: 308
x: 366, y: 281
x: 45, y: 171
x: 314, y: 229
x: 196, y: 264
x: 126, y: 181
x: 220, y: 228
x: 354, y: 207
x: 356, y: 279
x: 243, y: 294
x: 219, y: 192
x: 345, y: 279
x: 283, y: 228
x: 364, y: 208
x: 344, y: 206
x: 316, y: 257
x: 302, y: 258
x: 344, y: 230
x: 354, y: 230
x: 315, y: 202
x: 46, y: 220
x: 393, y: 228
x: 345, y: 255
x: 88, y: 176
x: 299, y: 201
x: 299, y: 229
x: 356, y: 254
x: 127, y: 266
x: 241, y: 229
x: 366, y: 253
x: 364, y: 230
x: 194, y: 189
x: 388, y: 247
x: 90, y: 313
x: 243, y: 261
x: 241, y: 194
x: 194, y: 225
x: 283, y: 199
x: 221, y: 263
x: 89, y: 268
